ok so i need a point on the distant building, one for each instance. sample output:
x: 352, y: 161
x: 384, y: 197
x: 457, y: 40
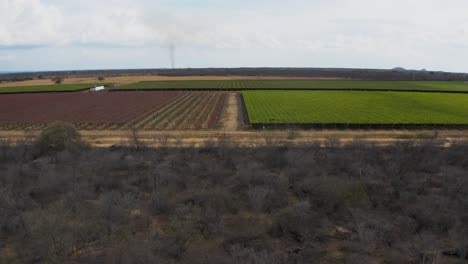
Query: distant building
x: 97, y: 89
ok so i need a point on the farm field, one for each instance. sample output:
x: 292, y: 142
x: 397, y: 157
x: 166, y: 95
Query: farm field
x: 302, y: 84
x: 129, y: 79
x: 118, y: 110
x: 190, y: 110
x: 355, y: 107
x: 47, y: 88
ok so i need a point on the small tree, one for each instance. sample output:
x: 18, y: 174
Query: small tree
x: 59, y: 137
x: 57, y: 80
x: 101, y: 78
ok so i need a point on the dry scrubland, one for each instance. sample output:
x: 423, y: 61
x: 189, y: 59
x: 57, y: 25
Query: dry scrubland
x: 403, y: 203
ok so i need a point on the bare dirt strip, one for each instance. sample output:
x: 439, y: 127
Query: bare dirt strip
x: 252, y: 138
x: 230, y: 119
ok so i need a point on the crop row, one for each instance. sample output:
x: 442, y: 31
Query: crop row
x: 193, y: 110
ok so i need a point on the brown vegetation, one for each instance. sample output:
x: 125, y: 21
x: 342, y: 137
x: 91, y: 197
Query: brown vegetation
x: 202, y: 138
x: 403, y: 203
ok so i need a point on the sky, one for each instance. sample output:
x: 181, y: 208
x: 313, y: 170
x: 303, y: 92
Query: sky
x: 40, y: 35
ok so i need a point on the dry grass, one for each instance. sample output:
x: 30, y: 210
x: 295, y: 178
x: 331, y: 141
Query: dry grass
x: 26, y: 83
x: 107, y: 138
x: 121, y: 80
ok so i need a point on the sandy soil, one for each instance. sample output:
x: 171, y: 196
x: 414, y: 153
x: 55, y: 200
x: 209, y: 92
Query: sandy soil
x: 120, y: 80
x: 253, y: 138
x: 230, y: 118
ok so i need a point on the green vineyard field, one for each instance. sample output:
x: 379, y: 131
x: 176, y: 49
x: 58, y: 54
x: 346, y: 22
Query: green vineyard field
x: 302, y: 84
x: 355, y: 107
x: 47, y: 88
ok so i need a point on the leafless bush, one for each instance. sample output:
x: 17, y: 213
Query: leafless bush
x: 159, y: 204
x: 57, y: 236
x: 459, y: 238
x: 257, y: 197
x: 131, y: 251
x: 178, y: 235
x: 430, y: 248
x: 334, y: 193
x: 134, y: 140
x: 250, y: 256
x: 163, y: 140
x: 371, y: 232
x: 10, y: 218
x: 291, y: 134
x: 115, y: 208
x: 298, y: 223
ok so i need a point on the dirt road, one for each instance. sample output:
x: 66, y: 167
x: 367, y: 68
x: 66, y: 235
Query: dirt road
x: 230, y: 119
x: 252, y: 138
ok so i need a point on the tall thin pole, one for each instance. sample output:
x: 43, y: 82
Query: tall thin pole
x: 172, y: 54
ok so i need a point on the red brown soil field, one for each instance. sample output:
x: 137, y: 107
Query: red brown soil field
x: 193, y: 110
x: 85, y: 110
x: 149, y: 110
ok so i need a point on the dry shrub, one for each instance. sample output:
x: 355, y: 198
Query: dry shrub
x: 298, y: 223
x: 59, y: 137
x: 334, y: 193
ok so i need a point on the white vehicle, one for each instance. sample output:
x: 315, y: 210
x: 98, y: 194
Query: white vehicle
x: 97, y: 89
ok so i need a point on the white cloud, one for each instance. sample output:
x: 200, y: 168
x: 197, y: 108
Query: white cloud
x: 341, y: 33
x: 123, y: 27
x: 29, y: 22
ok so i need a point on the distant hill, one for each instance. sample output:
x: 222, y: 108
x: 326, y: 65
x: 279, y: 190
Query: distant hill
x: 403, y: 69
x: 396, y: 74
x: 7, y: 72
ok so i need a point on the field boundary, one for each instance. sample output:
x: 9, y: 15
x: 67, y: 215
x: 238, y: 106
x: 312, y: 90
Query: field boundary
x: 4, y: 90
x: 340, y: 126
x: 287, y: 89
x: 244, y: 114
x: 41, y: 92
